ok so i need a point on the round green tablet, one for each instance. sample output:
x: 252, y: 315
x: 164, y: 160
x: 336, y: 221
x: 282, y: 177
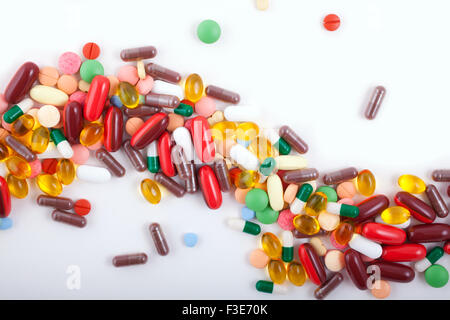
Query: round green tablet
x: 436, y: 276
x: 256, y: 200
x: 329, y: 192
x: 208, y: 31
x: 89, y: 69
x: 267, y: 216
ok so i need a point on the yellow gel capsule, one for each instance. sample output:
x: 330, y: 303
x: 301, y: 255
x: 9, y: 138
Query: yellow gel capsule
x: 65, y: 171
x: 246, y: 179
x: 247, y: 131
x: 277, y: 271
x: 128, y: 95
x: 395, y: 215
x: 271, y: 245
x: 49, y: 184
x: 306, y: 224
x: 17, y: 187
x: 193, y: 87
x: 316, y: 204
x: 411, y: 184
x: 91, y: 134
x: 22, y: 125
x: 4, y: 151
x: 150, y: 191
x: 224, y: 130
x: 40, y: 139
x: 296, y: 273
x: 18, y: 167
x: 366, y: 183
x: 262, y: 148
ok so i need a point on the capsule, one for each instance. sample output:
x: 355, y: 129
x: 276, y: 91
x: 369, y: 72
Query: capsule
x: 293, y: 139
x: 277, y: 271
x: 384, y: 234
x: 108, y: 160
x: 325, y: 288
x: 73, y: 121
x: 260, y: 147
x: 296, y: 273
x: 4, y: 152
x: 65, y: 171
x: 222, y: 175
x: 271, y: 245
x: 69, y: 218
x: 181, y: 164
x: 159, y: 239
x: 159, y: 72
x: 18, y: 167
x: 202, y: 139
x: 162, y: 100
x: 311, y: 262
x: 395, y: 215
x: 419, y: 209
x: 64, y: 148
x: 129, y: 259
x: 222, y: 94
x: 435, y: 232
x: 5, y: 199
x: 245, y: 132
x: 150, y: 191
x: 113, y: 129
x: 343, y: 210
x: 96, y: 98
x: 55, y: 202
x: 182, y: 137
x: 411, y: 183
x: 17, y: 187
x: 299, y: 176
x: 301, y: 198
x: 269, y: 287
x: 193, y: 87
x: 344, y: 233
x: 275, y: 192
x: 441, y: 175
x: 164, y: 152
x: 210, y: 187
x: 244, y: 226
x: 135, y: 54
x: 287, y: 251
x: 244, y: 157
x: 266, y: 168
x: 17, y: 110
x: 404, y: 252
x: 340, y: 176
x: 23, y: 125
x: 20, y: 148
x: 438, y: 204
x: 128, y: 95
x: 224, y: 130
x: 365, y: 246
x: 152, y: 157
x: 150, y: 131
x: 279, y: 143
x: 184, y: 110
x: 366, y: 183
x: 394, y: 271
x: 316, y: 204
x: 170, y: 184
x: 432, y: 257
x: 191, y: 184
x: 356, y: 268
x: 306, y: 224
x: 290, y: 162
x: 49, y: 184
x: 136, y: 158
x: 91, y: 134
x: 375, y: 102
x: 142, y: 111
x: 21, y: 83
x: 93, y: 174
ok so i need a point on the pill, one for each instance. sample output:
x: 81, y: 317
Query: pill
x: 356, y: 269
x: 436, y: 276
x: 135, y: 156
x: 244, y: 226
x: 133, y: 124
x: 346, y: 189
x: 20, y: 148
x: 267, y: 215
x: 296, y: 273
x: 48, y: 76
x: 170, y: 184
x: 259, y: 259
x: 96, y: 98
x: 167, y: 88
x: 422, y: 233
x: 181, y: 164
x: 222, y: 175
x: 82, y: 207
x: 404, y: 252
x: 80, y: 154
x: 135, y: 54
x: 5, y: 223
x: 150, y: 191
x: 143, y: 111
x: 318, y: 246
x: 49, y: 165
x: 441, y: 175
x: 222, y: 94
x: 67, y: 84
x: 301, y: 175
x: 366, y: 183
x: 418, y: 209
x: 73, y: 121
x: 290, y: 193
x: 49, y: 95
x: 190, y: 239
x: 277, y: 271
x: 162, y: 100
x: 375, y: 102
x: 438, y: 204
x: 432, y: 257
x: 393, y: 271
x: 330, y: 284
x: 113, y: 129
x: 244, y: 157
x: 150, y: 131
x: 380, y: 289
x: 91, y: 50
x: 93, y: 174
x: 69, y: 63
x: 366, y: 246
x: 331, y: 22
x: 340, y: 176
x: 175, y: 121
x: 371, y: 207
x: 290, y: 162
x: 330, y: 192
x: 65, y: 171
x: 242, y: 113
x: 89, y: 69
x: 334, y: 260
x: 48, y: 116
x: 62, y: 145
x: 312, y: 264
x: 384, y: 234
x: 210, y: 187
x: 270, y: 287
x: 411, y: 183
x: 111, y: 162
x: 129, y: 259
x: 208, y: 31
x: 145, y: 84
x: 69, y: 218
x: 275, y: 192
x: 162, y: 73
x: 205, y: 107
x: 21, y: 83
x: 159, y: 239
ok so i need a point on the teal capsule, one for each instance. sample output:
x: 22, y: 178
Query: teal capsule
x: 301, y: 198
x: 184, y: 110
x: 244, y: 226
x: 287, y: 251
x: 283, y: 147
x: 269, y: 287
x: 18, y: 110
x: 153, y: 158
x: 268, y: 166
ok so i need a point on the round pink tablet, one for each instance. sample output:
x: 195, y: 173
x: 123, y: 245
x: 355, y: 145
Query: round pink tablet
x: 80, y: 154
x: 205, y: 107
x: 6, y: 125
x: 78, y: 96
x: 36, y: 168
x: 3, y: 104
x: 285, y: 220
x: 145, y: 86
x: 290, y: 193
x: 259, y: 259
x: 69, y: 63
x: 128, y: 74
x: 96, y: 146
x: 348, y: 201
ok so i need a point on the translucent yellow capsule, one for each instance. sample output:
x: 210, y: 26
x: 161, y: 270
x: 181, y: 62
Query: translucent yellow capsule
x: 306, y: 224
x: 40, y: 139
x: 277, y: 271
x: 271, y: 245
x: 17, y: 187
x: 22, y: 125
x: 18, y: 167
x: 411, y: 184
x: 4, y: 151
x: 224, y: 130
x: 246, y: 179
x: 262, y: 148
x: 316, y: 204
x: 49, y: 184
x: 395, y: 215
x: 193, y: 87
x: 128, y: 95
x: 91, y: 134
x: 296, y: 273
x: 150, y: 191
x: 366, y: 183
x: 247, y: 131
x: 65, y: 171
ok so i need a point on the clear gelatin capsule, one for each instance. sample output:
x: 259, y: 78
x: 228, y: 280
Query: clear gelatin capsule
x: 40, y: 139
x: 271, y: 245
x: 247, y: 131
x: 277, y: 271
x: 224, y: 130
x: 316, y: 204
x: 91, y: 134
x: 4, y: 151
x: 296, y: 273
x: 366, y: 183
x: 262, y: 148
x: 151, y: 191
x: 65, y: 171
x: 22, y: 125
x: 246, y: 179
x: 49, y: 184
x: 18, y: 167
x: 411, y: 183
x: 17, y: 187
x: 193, y: 87
x: 306, y: 224
x: 395, y: 215
x: 343, y: 233
x: 128, y: 95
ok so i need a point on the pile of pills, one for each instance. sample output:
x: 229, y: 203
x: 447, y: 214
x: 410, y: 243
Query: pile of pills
x: 54, y: 119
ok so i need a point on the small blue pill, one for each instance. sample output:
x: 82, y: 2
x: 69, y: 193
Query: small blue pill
x: 5, y: 223
x: 115, y: 101
x: 247, y: 214
x: 243, y: 142
x: 190, y: 239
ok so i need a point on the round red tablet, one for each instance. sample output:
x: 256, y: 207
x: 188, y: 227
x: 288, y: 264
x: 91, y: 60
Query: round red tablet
x: 331, y: 22
x: 82, y: 207
x: 91, y: 51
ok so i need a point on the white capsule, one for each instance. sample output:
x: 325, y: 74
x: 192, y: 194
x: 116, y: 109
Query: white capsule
x: 65, y: 149
x: 333, y: 207
x: 242, y: 113
x: 152, y: 150
x: 236, y: 224
x: 279, y: 289
x: 422, y: 265
x: 271, y: 135
x: 290, y: 162
x: 244, y: 157
x: 93, y: 174
x: 25, y: 105
x: 287, y: 239
x: 275, y: 192
x: 50, y: 153
x: 297, y: 206
x: 183, y: 138
x: 162, y: 87
x: 403, y: 225
x: 365, y: 246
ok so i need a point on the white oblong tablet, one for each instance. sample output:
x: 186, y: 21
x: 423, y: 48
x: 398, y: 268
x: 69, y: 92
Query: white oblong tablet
x: 242, y: 113
x: 162, y: 87
x: 93, y: 174
x: 183, y: 138
x: 275, y: 192
x: 365, y: 246
x: 244, y: 157
x: 49, y: 95
x: 290, y: 162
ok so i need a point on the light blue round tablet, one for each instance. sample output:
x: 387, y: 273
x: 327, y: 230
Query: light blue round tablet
x: 243, y: 143
x: 5, y: 223
x: 247, y: 214
x: 190, y: 239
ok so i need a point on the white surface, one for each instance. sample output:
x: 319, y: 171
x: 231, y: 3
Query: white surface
x: 281, y: 60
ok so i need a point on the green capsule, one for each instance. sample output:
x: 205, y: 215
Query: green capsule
x: 283, y: 147
x: 244, y: 226
x: 267, y: 166
x: 12, y: 114
x: 153, y: 158
x: 269, y: 287
x: 287, y: 251
x: 304, y: 192
x: 184, y: 110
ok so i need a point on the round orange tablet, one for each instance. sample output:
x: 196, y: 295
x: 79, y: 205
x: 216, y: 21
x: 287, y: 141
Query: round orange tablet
x: 133, y: 125
x: 240, y: 194
x: 381, y: 289
x: 290, y: 192
x: 334, y: 260
x: 67, y: 83
x: 259, y: 259
x: 346, y: 190
x: 175, y: 121
x: 48, y: 76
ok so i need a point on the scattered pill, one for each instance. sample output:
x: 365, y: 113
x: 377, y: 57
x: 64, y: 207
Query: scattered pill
x: 331, y: 22
x: 190, y: 239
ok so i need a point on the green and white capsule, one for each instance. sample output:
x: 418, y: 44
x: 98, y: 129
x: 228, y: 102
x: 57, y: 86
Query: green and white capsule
x: 270, y: 287
x: 343, y: 210
x: 287, y: 251
x: 244, y: 226
x: 432, y: 257
x: 63, y: 146
x: 301, y: 198
x: 18, y: 110
x: 267, y: 167
x: 152, y: 157
x: 278, y: 142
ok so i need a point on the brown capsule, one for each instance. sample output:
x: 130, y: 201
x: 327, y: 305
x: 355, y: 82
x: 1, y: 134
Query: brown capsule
x: 69, y: 218
x: 356, y: 268
x: 159, y: 239
x: 162, y: 73
x: 301, y: 175
x: 297, y: 234
x: 441, y: 175
x: 20, y: 84
x: 325, y: 288
x: 222, y: 94
x: 130, y: 259
x: 20, y: 148
x: 293, y: 139
x: 371, y: 207
x: 418, y: 208
x: 108, y: 160
x: 135, y: 156
x: 180, y: 162
x: 170, y: 184
x: 375, y: 102
x: 340, y: 176
x: 143, y: 111
x: 140, y: 53
x: 438, y: 204
x: 55, y: 202
x: 191, y: 184
x: 394, y: 271
x: 162, y: 100
x: 435, y: 232
x: 222, y: 174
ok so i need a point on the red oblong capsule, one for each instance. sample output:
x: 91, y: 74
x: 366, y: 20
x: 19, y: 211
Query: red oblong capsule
x: 404, y: 252
x: 164, y: 153
x: 394, y: 271
x: 96, y: 98
x: 356, y: 268
x: 21, y: 82
x: 113, y: 131
x: 150, y: 130
x: 383, y: 233
x: 210, y: 187
x: 435, y: 232
x: 73, y: 121
x: 202, y: 139
x: 371, y: 207
x: 311, y: 262
x: 419, y: 209
x: 5, y: 199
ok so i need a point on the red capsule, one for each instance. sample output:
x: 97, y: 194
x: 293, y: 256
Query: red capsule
x: 73, y: 121
x: 356, y: 268
x: 311, y: 262
x: 96, y: 98
x: 383, y: 233
x: 371, y: 207
x: 202, y: 139
x: 164, y: 153
x: 210, y: 187
x: 150, y: 130
x: 20, y: 84
x: 5, y: 199
x: 113, y: 131
x: 419, y: 209
x: 404, y: 252
x: 395, y: 271
x: 435, y: 232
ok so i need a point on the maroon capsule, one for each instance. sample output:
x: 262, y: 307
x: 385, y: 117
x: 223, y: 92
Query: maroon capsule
x: 222, y: 175
x: 191, y: 184
x: 293, y: 139
x: 69, y: 218
x: 162, y: 73
x: 325, y: 288
x: 419, y: 209
x: 162, y: 100
x: 371, y: 207
x: 135, y: 156
x: 356, y: 268
x: 113, y: 165
x: 73, y: 121
x: 20, y: 148
x: 143, y: 111
x: 151, y: 130
x: 180, y: 162
x: 438, y: 204
x: 113, y: 133
x: 441, y: 175
x: 301, y: 175
x: 55, y: 202
x: 435, y: 232
x: 222, y: 94
x: 130, y: 259
x: 393, y: 271
x: 21, y: 83
x: 140, y: 53
x: 340, y: 176
x: 170, y: 184
x: 375, y: 102
x: 159, y: 239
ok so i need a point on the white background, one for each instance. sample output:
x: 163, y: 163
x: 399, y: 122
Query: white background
x: 281, y: 60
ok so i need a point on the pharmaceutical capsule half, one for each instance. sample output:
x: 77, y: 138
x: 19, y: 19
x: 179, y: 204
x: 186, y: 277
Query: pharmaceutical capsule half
x: 432, y: 257
x: 129, y: 259
x: 140, y: 53
x: 159, y: 72
x: 69, y: 218
x: 159, y: 239
x: 222, y: 94
x: 340, y: 176
x: 244, y: 226
x: 375, y: 102
x: 108, y: 159
x: 55, y: 202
